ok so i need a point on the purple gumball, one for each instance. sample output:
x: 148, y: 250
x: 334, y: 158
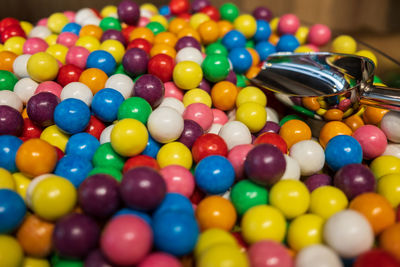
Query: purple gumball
x: 231, y: 77
x: 99, y: 196
x: 113, y: 35
x: 317, y: 180
x: 265, y: 164
x: 198, y: 5
x: 150, y: 88
x: 128, y: 12
x: 269, y: 127
x: 135, y: 61
x: 142, y: 188
x: 187, y: 41
x: 97, y: 259
x: 205, y: 85
x: 75, y: 236
x: 354, y: 179
x: 11, y: 121
x: 191, y: 131
x: 262, y: 13
x: 40, y: 108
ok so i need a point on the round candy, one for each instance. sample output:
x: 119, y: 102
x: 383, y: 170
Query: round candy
x: 191, y: 132
x: 332, y: 129
x: 129, y: 137
x: 246, y: 24
x: 49, y: 86
x: 384, y: 165
x: 200, y: 113
x: 134, y: 108
x: 19, y: 66
x: 96, y: 258
x: 9, y: 146
x: 215, y: 212
x: 221, y: 254
x: 160, y: 259
x: 287, y: 43
x: 128, y: 12
x: 317, y: 180
x: 235, y: 133
x: 246, y: 194
x: 105, y: 156
x: 77, y: 56
x: 106, y: 103
x: 342, y: 150
x: 288, y: 24
x: 150, y: 88
x: 72, y: 115
x: 224, y: 95
x: 74, y: 168
x: 178, y: 180
x: 122, y: 83
x: 187, y: 75
x: 135, y: 61
x: 42, y: 67
x: 207, y: 145
x: 375, y: 257
x: 372, y: 139
x: 211, y: 237
x: 234, y: 39
x: 12, y: 121
x: 174, y: 202
x: 162, y: 66
x: 389, y: 125
x: 229, y: 11
x: 304, y: 231
x: 54, y: 136
x: 319, y: 35
x: 344, y: 44
x: 294, y: 131
x: 41, y: 107
x: 325, y: 201
x: 68, y: 73
x: 241, y: 59
x: 388, y: 186
x: 310, y: 156
x: 389, y: 240
x: 12, y: 210
x: 215, y: 67
x: 252, y: 115
x: 318, y: 256
x: 102, y: 60
x: 165, y: 124
x: 174, y: 153
x: 11, y: 254
x: 269, y: 254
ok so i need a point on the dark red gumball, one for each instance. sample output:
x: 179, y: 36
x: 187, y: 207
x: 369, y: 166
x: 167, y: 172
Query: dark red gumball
x: 162, y: 66
x: 240, y: 241
x: 140, y: 43
x: 273, y: 139
x: 212, y: 12
x: 398, y: 214
x: 197, y: 196
x: 207, y: 145
x: 95, y: 127
x: 68, y: 73
x: 11, y: 31
x: 140, y: 161
x: 376, y: 258
x: 31, y: 130
x: 60, y: 153
x: 185, y: 16
x: 178, y: 7
x: 4, y: 23
x: 126, y: 32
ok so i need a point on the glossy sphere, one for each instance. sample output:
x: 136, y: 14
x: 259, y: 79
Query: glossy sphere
x: 269, y: 254
x: 237, y: 156
x: 389, y: 125
x: 310, y: 156
x: 72, y: 115
x: 212, y: 237
x: 348, y: 233
x: 160, y: 259
x: 122, y: 83
x: 251, y: 94
x: 150, y: 88
x: 95, y: 127
x: 354, y: 179
x: 304, y: 231
x: 207, y: 145
x: 273, y: 139
x: 325, y: 201
x: 241, y: 59
x: 7, y: 60
x: 75, y: 236
x: 40, y: 108
x: 215, y: 67
x: 318, y: 255
x: 372, y: 139
x: 12, y: 121
x: 376, y: 257
x: 106, y: 103
x: 319, y: 35
x: 288, y: 24
x: 187, y: 75
x: 317, y: 180
x: 7, y: 181
x: 165, y: 124
x: 252, y: 115
x: 344, y: 44
x: 126, y: 240
x: 221, y: 254
x: 128, y: 12
x: 191, y: 132
x: 388, y: 186
x: 178, y: 180
x: 295, y: 131
x: 224, y: 95
x: 77, y: 55
x: 263, y: 222
x: 135, y: 61
x: 68, y: 73
x: 162, y: 66
x: 96, y: 258
x: 12, y: 210
x: 102, y: 60
x: 42, y: 67
x: 7, y: 80
x: 34, y: 45
x: 94, y: 78
x: 215, y: 212
x: 11, y: 254
x: 129, y: 137
x: 389, y: 240
x: 9, y: 146
x: 342, y: 150
x: 35, y: 157
x: 332, y: 129
x: 246, y: 194
x: 54, y: 136
x: 385, y: 165
x: 174, y: 153
x: 49, y: 86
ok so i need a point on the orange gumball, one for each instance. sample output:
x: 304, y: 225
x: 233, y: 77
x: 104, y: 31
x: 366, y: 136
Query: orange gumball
x: 208, y: 31
x: 332, y: 129
x: 166, y: 38
x: 7, y: 60
x: 389, y: 240
x: 224, y: 27
x: 373, y: 115
x: 35, y: 236
x: 189, y: 31
x: 163, y: 49
x: 142, y: 32
x: 91, y: 30
x: 252, y: 72
x: 254, y: 56
x: 177, y: 24
x: 376, y: 209
x: 94, y: 78
x: 273, y: 38
x: 294, y: 131
x: 310, y: 103
x: 354, y: 122
x: 35, y: 157
x: 223, y: 95
x: 216, y: 212
x: 333, y: 114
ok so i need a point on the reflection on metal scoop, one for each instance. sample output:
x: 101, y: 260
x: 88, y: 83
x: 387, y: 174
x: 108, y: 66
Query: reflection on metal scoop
x: 325, y: 85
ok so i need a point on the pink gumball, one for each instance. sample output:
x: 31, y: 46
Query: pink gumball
x: 220, y: 117
x: 34, y: 45
x: 42, y: 22
x: 49, y: 86
x: 268, y: 253
x: 319, y: 35
x: 178, y: 180
x: 77, y: 56
x: 160, y: 259
x: 67, y: 38
x: 313, y: 47
x: 199, y: 113
x: 288, y: 24
x: 126, y: 240
x: 70, y: 15
x: 236, y: 156
x: 372, y: 140
x: 171, y: 90
x: 143, y: 21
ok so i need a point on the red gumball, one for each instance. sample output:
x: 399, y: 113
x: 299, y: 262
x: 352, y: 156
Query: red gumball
x: 126, y: 32
x: 207, y: 145
x: 60, y: 153
x: 140, y: 43
x: 376, y: 258
x: 95, y: 127
x: 179, y: 6
x: 11, y: 31
x: 140, y: 161
x: 185, y: 16
x: 273, y: 139
x: 4, y: 23
x: 68, y: 73
x: 212, y: 12
x: 30, y: 130
x: 239, y: 238
x: 161, y: 65
x: 197, y: 196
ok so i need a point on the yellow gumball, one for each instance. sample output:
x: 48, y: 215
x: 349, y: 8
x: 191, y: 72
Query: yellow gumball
x: 160, y: 19
x: 344, y: 44
x: 274, y: 24
x: 211, y: 237
x: 385, y: 165
x: 389, y: 187
x: 303, y: 49
x: 42, y: 67
x: 1, y: 47
x: 223, y: 255
x: 174, y: 153
x: 291, y: 197
x: 251, y: 94
x: 26, y: 26
x: 33, y: 262
x: 109, y: 11
x: 304, y: 231
x: 246, y: 24
x: 56, y: 22
x: 21, y: 184
x: 53, y: 198
x: 129, y: 137
x: 51, y: 39
x: 263, y: 222
x: 54, y: 136
x: 327, y: 200
x: 58, y: 51
x: 15, y: 44
x: 187, y: 75
x: 11, y: 254
x: 197, y: 96
x: 253, y: 115
x: 88, y: 42
x: 197, y: 19
x: 149, y: 7
x: 368, y: 54
x: 115, y: 48
x: 301, y: 34
x: 6, y: 180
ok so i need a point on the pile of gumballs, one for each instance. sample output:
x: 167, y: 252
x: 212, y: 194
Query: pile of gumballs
x: 133, y: 137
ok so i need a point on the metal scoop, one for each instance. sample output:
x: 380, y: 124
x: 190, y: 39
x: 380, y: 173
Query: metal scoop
x: 315, y: 83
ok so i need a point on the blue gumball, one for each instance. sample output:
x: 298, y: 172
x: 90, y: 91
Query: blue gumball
x: 82, y: 144
x: 12, y: 210
x: 174, y: 202
x: 72, y: 115
x: 233, y: 39
x: 263, y: 31
x: 287, y: 43
x: 74, y: 168
x: 152, y: 148
x: 264, y: 49
x: 164, y: 10
x: 143, y: 215
x: 241, y: 59
x: 105, y: 104
x: 175, y: 232
x: 72, y: 27
x: 214, y: 174
x: 342, y: 150
x: 103, y: 60
x: 9, y: 145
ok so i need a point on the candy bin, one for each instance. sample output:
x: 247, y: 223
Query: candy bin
x: 139, y: 135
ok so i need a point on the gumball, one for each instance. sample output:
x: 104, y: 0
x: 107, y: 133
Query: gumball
x: 287, y: 43
x: 67, y: 39
x: 68, y: 74
x: 342, y: 150
x: 263, y: 222
x: 135, y: 108
x: 106, y: 103
x: 187, y: 41
x: 113, y: 41
x: 105, y: 156
x: 89, y: 37
x: 12, y: 210
x: 77, y: 55
x: 234, y: 39
x: 140, y: 43
x: 160, y: 259
x: 229, y: 11
x: 150, y: 88
x: 11, y: 254
x: 55, y: 137
x: 305, y: 230
x: 199, y: 113
x: 212, y: 237
x: 332, y: 129
x: 165, y: 124
x: 344, y: 44
x: 372, y: 140
x: 221, y: 254
x: 72, y: 115
x: 41, y: 107
x: 207, y: 145
x: 72, y: 27
x: 191, y: 132
x: 288, y: 24
x: 348, y: 233
x: 7, y: 180
x: 34, y: 45
x: 102, y: 60
x: 7, y: 80
x: 246, y: 194
x: 392, y: 150
x: 39, y: 31
x: 273, y: 139
x: 327, y: 200
x: 7, y: 60
x: 354, y: 179
x: 74, y: 168
x: 121, y: 235
x: 187, y: 75
x: 384, y: 165
x: 319, y: 35
x: 25, y: 89
x: 42, y: 67
x: 11, y: 99
x: 235, y: 133
x: 317, y: 180
x: 389, y: 126
x: 174, y: 153
x: 318, y: 256
x: 50, y: 87
x: 122, y: 83
x: 389, y: 240
x: 171, y: 90
x: 197, y: 96
x: 19, y: 67
x: 237, y: 156
x: 12, y: 31
x: 95, y: 127
x: 388, y: 186
x: 174, y: 202
x: 270, y: 126
x: 215, y: 68
x: 252, y: 115
x: 295, y: 131
x: 82, y: 144
x: 161, y: 66
x: 128, y: 12
x: 96, y: 258
x: 178, y: 180
x: 310, y: 156
x: 368, y: 54
x: 216, y: 49
x: 376, y: 257
x: 269, y: 253
x: 135, y: 61
x: 224, y: 95
x: 262, y: 13
x: 220, y: 117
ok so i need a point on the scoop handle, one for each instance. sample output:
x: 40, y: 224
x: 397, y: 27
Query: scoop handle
x: 381, y: 97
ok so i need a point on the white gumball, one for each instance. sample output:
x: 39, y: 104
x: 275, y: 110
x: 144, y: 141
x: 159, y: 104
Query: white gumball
x: 317, y: 256
x: 105, y: 136
x: 189, y: 54
x: 272, y: 115
x: 25, y: 89
x: 215, y: 128
x: 310, y: 155
x: 348, y: 233
x: 77, y: 90
x: 165, y: 124
x: 39, y: 32
x: 235, y: 133
x: 20, y: 66
x: 392, y: 150
x: 292, y: 171
x: 82, y: 14
x: 390, y: 125
x: 91, y: 21
x: 11, y: 99
x: 122, y: 83
x: 172, y: 102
